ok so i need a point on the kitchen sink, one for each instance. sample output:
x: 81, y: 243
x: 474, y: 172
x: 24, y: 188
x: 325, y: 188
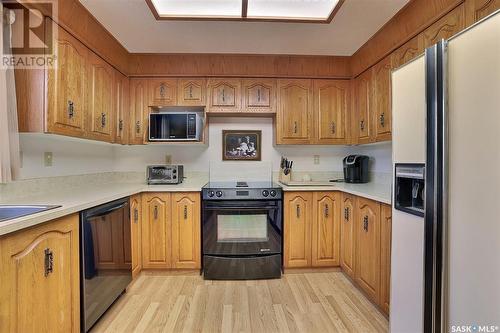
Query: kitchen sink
x: 9, y: 212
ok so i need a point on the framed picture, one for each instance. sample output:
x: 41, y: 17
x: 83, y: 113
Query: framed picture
x: 241, y: 145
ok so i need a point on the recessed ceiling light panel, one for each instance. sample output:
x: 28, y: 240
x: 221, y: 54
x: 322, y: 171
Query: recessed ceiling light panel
x: 291, y: 9
x: 198, y: 8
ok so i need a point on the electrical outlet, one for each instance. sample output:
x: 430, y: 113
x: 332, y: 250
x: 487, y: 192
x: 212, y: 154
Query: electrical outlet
x: 168, y: 159
x: 316, y: 159
x: 47, y: 159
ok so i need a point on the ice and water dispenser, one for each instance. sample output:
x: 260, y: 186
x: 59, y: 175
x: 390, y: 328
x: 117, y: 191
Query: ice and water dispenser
x: 410, y: 188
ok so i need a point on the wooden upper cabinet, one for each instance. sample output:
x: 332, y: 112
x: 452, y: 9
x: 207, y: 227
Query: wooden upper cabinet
x: 479, y: 9
x: 138, y: 111
x: 163, y: 92
x: 382, y: 99
x: 122, y: 103
x: 67, y: 88
x: 407, y: 52
x: 297, y: 231
x: 191, y: 92
x: 331, y: 108
x: 135, y: 233
x: 326, y: 229
x: 347, y: 235
x: 259, y: 95
x: 362, y: 121
x: 449, y: 25
x: 224, y: 95
x: 186, y: 239
x: 385, y: 257
x: 295, y: 112
x: 367, y: 272
x: 101, y: 118
x: 156, y: 230
x: 41, y: 279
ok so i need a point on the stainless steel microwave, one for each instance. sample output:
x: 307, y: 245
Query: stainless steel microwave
x: 176, y: 126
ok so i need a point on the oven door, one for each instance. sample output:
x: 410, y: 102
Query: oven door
x: 242, y: 227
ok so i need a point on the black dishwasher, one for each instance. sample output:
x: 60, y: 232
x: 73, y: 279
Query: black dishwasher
x: 105, y: 258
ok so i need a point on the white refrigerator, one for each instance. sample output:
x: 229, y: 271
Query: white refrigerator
x: 445, y: 264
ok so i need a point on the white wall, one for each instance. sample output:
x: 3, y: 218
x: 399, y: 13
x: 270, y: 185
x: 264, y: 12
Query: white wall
x: 79, y: 157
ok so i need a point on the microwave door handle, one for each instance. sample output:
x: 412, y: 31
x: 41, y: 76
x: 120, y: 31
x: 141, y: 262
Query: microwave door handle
x: 108, y: 211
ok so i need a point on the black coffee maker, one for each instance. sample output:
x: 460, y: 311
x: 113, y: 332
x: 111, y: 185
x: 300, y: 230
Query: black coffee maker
x: 356, y: 169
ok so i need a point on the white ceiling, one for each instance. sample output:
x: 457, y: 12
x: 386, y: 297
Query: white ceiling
x: 133, y: 24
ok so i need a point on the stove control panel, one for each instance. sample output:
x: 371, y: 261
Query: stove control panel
x: 242, y: 194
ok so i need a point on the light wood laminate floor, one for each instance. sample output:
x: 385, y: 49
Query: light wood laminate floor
x: 301, y: 302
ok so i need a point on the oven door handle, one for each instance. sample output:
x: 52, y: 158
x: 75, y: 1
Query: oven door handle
x: 241, y: 208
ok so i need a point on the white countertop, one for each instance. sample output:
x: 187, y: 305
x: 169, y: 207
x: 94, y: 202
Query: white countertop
x: 75, y: 199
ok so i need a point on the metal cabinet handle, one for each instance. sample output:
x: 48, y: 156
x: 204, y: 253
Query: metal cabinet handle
x: 365, y: 223
x: 223, y: 95
x: 163, y: 90
x: 362, y: 125
x: 298, y: 211
x: 185, y: 212
x: 71, y: 109
x: 103, y: 120
x: 49, y: 261
x: 382, y: 120
x: 333, y: 127
x: 295, y: 127
x: 136, y: 215
x: 190, y: 91
x: 138, y: 127
x: 258, y: 95
x: 326, y: 211
x: 155, y: 212
x: 346, y: 213
x: 120, y: 125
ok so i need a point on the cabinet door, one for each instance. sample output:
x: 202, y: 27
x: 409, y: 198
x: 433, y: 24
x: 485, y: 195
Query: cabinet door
x: 191, y: 92
x: 40, y: 276
x: 362, y: 124
x: 347, y: 235
x: 139, y: 111
x: 382, y: 99
x: 385, y: 257
x: 101, y: 118
x: 163, y: 92
x: 259, y: 95
x: 156, y: 230
x: 224, y: 95
x: 407, y: 52
x: 326, y: 229
x: 121, y: 107
x: 67, y: 88
x: 331, y: 107
x: 135, y: 233
x: 297, y: 231
x: 450, y: 24
x: 294, y: 117
x: 186, y: 240
x: 367, y: 272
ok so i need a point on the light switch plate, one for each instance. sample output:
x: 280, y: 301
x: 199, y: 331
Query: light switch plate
x: 47, y: 159
x: 316, y: 159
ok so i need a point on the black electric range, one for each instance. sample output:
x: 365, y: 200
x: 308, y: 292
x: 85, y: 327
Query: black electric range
x: 242, y: 230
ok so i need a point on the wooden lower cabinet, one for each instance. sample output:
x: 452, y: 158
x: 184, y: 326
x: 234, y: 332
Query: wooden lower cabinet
x: 367, y: 272
x: 135, y: 233
x: 171, y: 230
x: 40, y: 278
x: 347, y: 234
x: 326, y: 229
x: 385, y: 257
x: 186, y: 230
x: 297, y: 230
x: 156, y: 230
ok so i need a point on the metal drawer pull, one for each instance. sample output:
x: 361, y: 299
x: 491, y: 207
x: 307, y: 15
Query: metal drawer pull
x: 49, y: 261
x: 382, y: 120
x: 365, y: 223
x: 346, y: 213
x: 185, y: 212
x: 326, y: 211
x: 138, y: 127
x: 103, y: 120
x: 120, y: 125
x: 362, y: 125
x: 156, y: 212
x: 295, y: 127
x: 333, y: 127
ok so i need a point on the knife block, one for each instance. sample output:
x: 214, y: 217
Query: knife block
x: 285, y: 178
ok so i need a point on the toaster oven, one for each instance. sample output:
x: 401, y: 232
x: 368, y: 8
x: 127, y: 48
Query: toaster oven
x: 165, y: 174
